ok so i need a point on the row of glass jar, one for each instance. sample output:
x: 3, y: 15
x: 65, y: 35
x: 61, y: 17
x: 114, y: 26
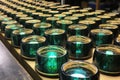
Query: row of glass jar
x: 50, y: 53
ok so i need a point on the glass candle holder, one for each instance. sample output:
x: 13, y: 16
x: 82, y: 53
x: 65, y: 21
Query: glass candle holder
x: 60, y: 16
x: 67, y: 13
x: 80, y: 16
x: 53, y: 12
x: 17, y: 36
x: 104, y: 18
x: 79, y: 47
x: 91, y: 24
x: 63, y: 24
x: 52, y: 21
x: 22, y: 20
x: 35, y: 15
x: 101, y: 36
x: 10, y: 28
x: 72, y: 18
x: 29, y: 24
x: 43, y: 17
x: 78, y: 29
x: 114, y: 22
x: 40, y: 28
x: 5, y: 23
x: 79, y: 70
x: 30, y: 44
x: 107, y: 59
x: 18, y: 16
x: 113, y: 28
x: 50, y: 59
x: 98, y: 21
x: 56, y: 37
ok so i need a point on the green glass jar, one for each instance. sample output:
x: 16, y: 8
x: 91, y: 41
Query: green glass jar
x: 53, y: 12
x: 50, y: 59
x: 61, y: 10
x: 29, y: 24
x: 67, y: 13
x: 43, y: 17
x: 90, y: 24
x: 88, y: 14
x: 39, y: 9
x: 30, y: 45
x: 17, y: 36
x: 10, y: 28
x: 22, y: 20
x: 40, y: 28
x: 53, y: 8
x: 79, y: 70
x: 72, y: 18
x: 60, y: 16
x: 113, y: 28
x: 79, y: 47
x: 63, y: 24
x: 46, y: 11
x: 52, y: 21
x: 107, y: 59
x: 5, y: 23
x: 83, y: 11
x: 80, y: 16
x: 75, y: 7
x: 18, y: 16
x: 104, y: 18
x: 35, y: 15
x: 101, y: 11
x: 78, y: 29
x: 111, y: 14
x: 98, y: 21
x: 101, y: 36
x: 56, y: 37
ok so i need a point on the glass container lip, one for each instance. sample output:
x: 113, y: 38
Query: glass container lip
x: 109, y: 48
x: 71, y: 18
x: 45, y: 15
x: 21, y: 15
x: 104, y: 16
x: 78, y: 27
x: 97, y: 31
x: 33, y: 39
x: 53, y: 18
x: 101, y: 11
x: 59, y: 15
x: 53, y: 11
x: 22, y: 31
x: 93, y: 18
x: 79, y: 39
x: 64, y: 22
x: 37, y: 13
x: 86, y: 22
x: 54, y: 31
x: 42, y: 25
x: 26, y: 18
x: 108, y: 26
x: 94, y: 69
x: 14, y: 26
x: 9, y: 22
x: 33, y: 21
x: 83, y: 10
x: 58, y: 48
x: 78, y: 14
x: 115, y: 22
